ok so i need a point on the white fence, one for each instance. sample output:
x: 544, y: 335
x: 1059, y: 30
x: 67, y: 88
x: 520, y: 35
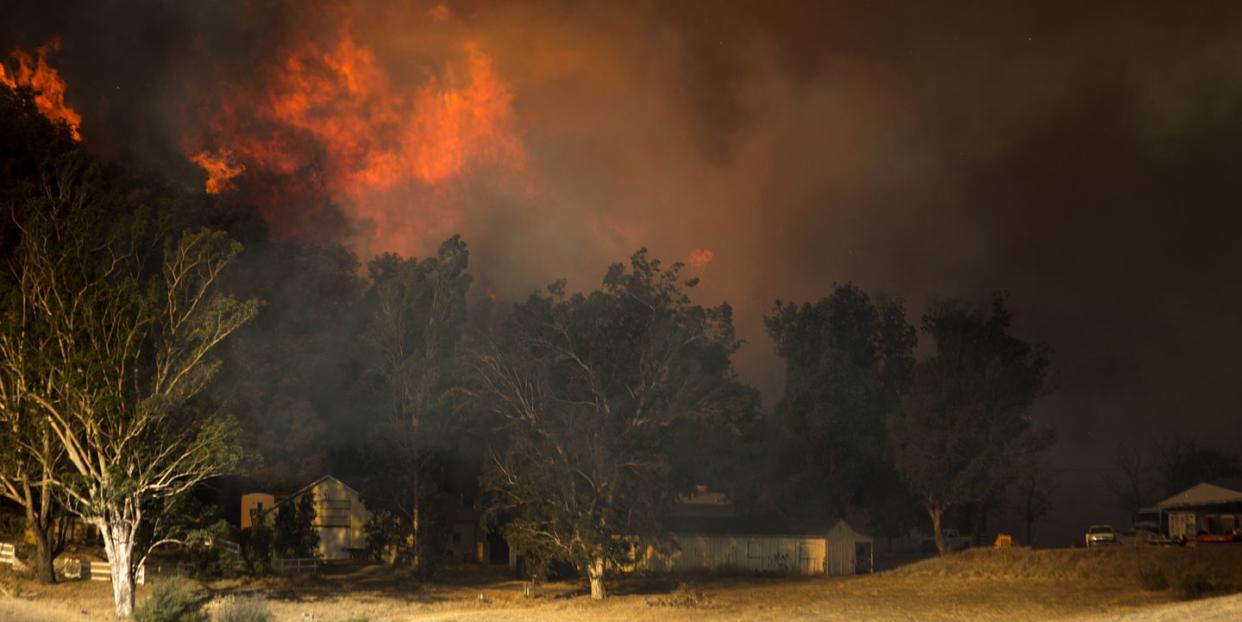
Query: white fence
x: 226, y: 545
x: 96, y: 570
x: 296, y: 565
x: 7, y: 556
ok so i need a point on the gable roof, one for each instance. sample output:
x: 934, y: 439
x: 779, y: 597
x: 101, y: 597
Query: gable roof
x: 842, y: 530
x: 280, y: 500
x: 1201, y: 494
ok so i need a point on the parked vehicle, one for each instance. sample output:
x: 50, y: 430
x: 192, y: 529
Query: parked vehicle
x: 955, y: 541
x: 1101, y: 534
x: 1216, y: 538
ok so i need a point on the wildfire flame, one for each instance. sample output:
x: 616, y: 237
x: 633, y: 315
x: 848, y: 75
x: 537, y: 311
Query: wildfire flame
x: 328, y: 118
x: 49, y: 88
x: 221, y: 168
x: 699, y: 259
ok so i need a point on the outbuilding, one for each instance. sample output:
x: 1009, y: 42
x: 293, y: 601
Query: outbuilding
x: 849, y: 552
x: 340, y: 515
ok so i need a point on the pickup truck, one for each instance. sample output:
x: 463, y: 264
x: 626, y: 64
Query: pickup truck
x: 955, y: 541
x: 1100, y: 534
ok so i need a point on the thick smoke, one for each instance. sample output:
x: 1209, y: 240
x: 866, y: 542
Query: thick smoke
x: 1080, y: 158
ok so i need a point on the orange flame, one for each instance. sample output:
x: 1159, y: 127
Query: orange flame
x: 49, y: 88
x: 221, y: 168
x: 698, y: 260
x: 329, y: 115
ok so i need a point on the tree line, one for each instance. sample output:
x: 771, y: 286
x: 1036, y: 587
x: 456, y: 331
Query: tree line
x: 155, y: 340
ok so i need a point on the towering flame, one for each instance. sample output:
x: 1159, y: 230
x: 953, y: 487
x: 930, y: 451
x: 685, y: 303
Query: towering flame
x: 49, y: 89
x: 327, y: 119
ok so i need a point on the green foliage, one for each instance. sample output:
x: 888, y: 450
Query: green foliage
x: 597, y: 395
x: 173, y: 600
x: 244, y: 609
x: 12, y: 525
x: 418, y: 313
x: 965, y: 432
x: 1153, y: 579
x: 294, y: 534
x: 849, y: 360
x: 1193, y: 586
x: 257, y: 546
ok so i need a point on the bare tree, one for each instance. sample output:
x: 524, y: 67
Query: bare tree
x: 126, y: 341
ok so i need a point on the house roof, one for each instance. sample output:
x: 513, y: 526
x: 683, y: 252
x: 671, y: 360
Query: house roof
x: 1201, y: 494
x: 843, y: 530
x: 281, y: 499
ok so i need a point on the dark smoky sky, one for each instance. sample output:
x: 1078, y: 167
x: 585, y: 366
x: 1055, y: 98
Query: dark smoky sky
x: 1083, y: 157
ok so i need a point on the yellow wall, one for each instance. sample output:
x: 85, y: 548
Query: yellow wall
x: 253, y: 501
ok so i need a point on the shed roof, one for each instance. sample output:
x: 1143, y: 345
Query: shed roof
x: 1201, y: 494
x: 843, y: 530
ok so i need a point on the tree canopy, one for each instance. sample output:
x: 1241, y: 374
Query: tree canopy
x: 595, y: 392
x: 966, y: 429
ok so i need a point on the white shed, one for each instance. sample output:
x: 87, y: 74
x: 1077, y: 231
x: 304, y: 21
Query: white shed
x: 781, y: 554
x: 849, y: 552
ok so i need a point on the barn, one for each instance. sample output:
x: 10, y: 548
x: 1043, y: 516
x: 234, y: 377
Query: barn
x: 340, y: 516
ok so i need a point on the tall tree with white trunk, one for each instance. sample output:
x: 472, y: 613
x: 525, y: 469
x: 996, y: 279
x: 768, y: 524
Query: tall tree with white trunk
x: 126, y: 338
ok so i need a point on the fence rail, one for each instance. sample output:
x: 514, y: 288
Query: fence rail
x: 96, y: 570
x: 7, y: 554
x: 296, y: 565
x: 227, y: 545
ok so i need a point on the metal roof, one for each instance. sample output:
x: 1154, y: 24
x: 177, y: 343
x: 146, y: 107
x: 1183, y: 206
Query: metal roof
x: 1201, y: 494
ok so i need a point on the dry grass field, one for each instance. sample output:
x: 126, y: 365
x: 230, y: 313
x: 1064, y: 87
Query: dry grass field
x: 1016, y: 584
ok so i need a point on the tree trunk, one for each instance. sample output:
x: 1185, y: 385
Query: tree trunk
x: 119, y: 545
x: 941, y: 545
x: 45, y: 571
x: 595, y: 572
x: 44, y: 546
x: 416, y: 547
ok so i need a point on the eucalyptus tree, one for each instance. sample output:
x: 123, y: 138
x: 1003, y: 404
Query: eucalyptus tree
x: 966, y: 431
x: 418, y: 315
x: 125, y: 325
x: 597, y: 397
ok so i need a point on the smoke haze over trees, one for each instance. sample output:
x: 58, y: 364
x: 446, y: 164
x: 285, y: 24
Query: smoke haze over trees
x: 1075, y: 156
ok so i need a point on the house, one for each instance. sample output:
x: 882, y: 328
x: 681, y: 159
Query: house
x: 1202, y: 509
x: 340, y: 515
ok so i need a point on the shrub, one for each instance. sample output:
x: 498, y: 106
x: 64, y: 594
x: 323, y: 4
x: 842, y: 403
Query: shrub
x: 1194, y: 586
x: 256, y: 549
x: 686, y: 596
x: 172, y: 600
x: 248, y: 609
x: 1153, y: 579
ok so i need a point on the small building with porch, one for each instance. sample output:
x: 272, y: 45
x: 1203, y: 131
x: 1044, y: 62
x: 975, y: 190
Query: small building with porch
x: 1204, y: 508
